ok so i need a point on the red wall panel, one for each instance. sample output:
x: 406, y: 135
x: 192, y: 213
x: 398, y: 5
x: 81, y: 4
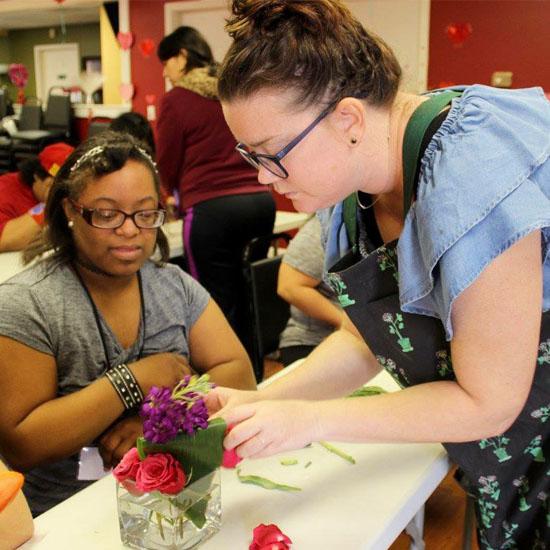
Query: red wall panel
x: 508, y: 35
x: 146, y: 21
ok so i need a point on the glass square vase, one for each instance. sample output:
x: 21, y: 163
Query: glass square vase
x: 157, y: 521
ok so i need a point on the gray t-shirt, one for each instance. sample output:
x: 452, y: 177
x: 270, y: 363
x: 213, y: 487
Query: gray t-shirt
x: 46, y: 308
x: 305, y: 254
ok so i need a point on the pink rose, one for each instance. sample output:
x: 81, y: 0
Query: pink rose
x: 269, y: 537
x: 129, y: 465
x: 160, y: 472
x: 230, y: 457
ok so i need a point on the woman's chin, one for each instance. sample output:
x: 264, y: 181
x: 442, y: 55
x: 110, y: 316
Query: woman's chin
x: 300, y: 203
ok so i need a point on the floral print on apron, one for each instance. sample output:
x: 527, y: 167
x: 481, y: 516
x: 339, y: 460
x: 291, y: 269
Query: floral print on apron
x: 508, y: 475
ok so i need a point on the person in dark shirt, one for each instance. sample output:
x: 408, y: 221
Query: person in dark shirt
x: 220, y: 199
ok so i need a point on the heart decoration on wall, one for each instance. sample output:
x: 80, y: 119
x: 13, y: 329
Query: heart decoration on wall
x: 458, y: 33
x: 18, y: 74
x: 125, y: 39
x: 147, y: 47
x: 150, y: 99
x: 127, y: 91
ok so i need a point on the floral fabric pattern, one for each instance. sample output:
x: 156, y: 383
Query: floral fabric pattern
x: 509, y: 474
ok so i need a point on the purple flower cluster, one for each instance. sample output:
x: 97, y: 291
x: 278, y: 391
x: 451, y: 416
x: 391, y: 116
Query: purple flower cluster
x: 166, y: 413
x: 196, y: 416
x: 162, y: 417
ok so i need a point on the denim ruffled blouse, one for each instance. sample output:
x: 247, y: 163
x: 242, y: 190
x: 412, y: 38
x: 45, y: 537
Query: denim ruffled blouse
x: 484, y: 184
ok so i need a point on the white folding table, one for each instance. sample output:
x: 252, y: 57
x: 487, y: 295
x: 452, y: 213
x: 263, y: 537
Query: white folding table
x: 341, y: 505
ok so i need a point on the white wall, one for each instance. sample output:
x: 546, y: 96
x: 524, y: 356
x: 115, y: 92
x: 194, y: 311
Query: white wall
x: 403, y: 24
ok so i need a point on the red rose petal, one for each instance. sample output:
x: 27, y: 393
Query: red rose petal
x: 269, y: 537
x: 230, y: 458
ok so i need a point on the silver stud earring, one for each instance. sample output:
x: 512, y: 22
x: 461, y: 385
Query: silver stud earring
x: 353, y: 140
x: 70, y: 224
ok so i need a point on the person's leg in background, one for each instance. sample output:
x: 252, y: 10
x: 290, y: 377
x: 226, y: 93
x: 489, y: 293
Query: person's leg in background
x: 215, y: 233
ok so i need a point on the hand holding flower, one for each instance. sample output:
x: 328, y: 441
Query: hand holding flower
x: 220, y: 399
x: 230, y: 457
x: 265, y: 428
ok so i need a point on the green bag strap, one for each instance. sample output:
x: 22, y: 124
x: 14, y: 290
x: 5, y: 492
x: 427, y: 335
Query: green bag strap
x: 350, y: 218
x: 412, y: 141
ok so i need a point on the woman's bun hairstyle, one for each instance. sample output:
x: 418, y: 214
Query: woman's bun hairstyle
x: 314, y: 47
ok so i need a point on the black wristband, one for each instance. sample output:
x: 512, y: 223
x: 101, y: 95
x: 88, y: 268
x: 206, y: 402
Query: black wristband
x: 126, y: 386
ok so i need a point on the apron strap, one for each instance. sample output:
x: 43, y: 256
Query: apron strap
x: 350, y: 218
x: 412, y: 141
x: 412, y: 145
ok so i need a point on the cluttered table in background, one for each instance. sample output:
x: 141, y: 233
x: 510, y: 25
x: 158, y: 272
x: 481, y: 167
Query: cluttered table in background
x: 364, y: 505
x: 11, y: 262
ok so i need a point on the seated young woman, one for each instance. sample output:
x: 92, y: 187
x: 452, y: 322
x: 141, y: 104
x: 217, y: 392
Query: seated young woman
x: 89, y: 329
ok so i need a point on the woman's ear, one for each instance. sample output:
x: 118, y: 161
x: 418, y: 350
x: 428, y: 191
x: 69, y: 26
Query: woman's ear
x: 68, y: 209
x: 350, y: 120
x: 183, y: 56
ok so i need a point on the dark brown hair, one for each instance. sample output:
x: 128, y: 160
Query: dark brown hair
x: 98, y: 156
x: 199, y: 53
x: 314, y: 47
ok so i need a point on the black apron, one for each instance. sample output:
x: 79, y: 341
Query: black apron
x: 508, y: 475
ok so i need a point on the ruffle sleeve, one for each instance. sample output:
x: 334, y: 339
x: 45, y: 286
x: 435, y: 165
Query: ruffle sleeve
x: 484, y: 184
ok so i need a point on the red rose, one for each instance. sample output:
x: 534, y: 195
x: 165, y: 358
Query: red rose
x: 129, y: 465
x: 230, y: 457
x: 269, y: 537
x: 160, y: 472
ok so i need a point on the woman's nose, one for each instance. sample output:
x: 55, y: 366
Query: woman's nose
x: 265, y: 177
x: 128, y: 228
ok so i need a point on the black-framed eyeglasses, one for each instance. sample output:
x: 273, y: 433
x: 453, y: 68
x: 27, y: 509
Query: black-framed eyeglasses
x: 111, y: 218
x: 272, y: 163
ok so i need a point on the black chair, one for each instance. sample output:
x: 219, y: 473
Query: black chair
x: 268, y: 313
x: 6, y: 161
x: 56, y: 127
x: 3, y: 102
x: 30, y: 119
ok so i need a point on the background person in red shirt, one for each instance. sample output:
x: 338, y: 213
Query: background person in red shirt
x: 23, y: 193
x: 222, y: 204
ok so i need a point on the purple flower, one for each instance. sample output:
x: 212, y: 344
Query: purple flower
x: 196, y: 416
x: 168, y: 412
x: 162, y: 416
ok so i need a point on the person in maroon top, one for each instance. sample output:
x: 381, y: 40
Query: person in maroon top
x: 220, y: 199
x: 23, y: 193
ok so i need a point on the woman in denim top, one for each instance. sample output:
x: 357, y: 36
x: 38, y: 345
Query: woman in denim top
x: 450, y: 296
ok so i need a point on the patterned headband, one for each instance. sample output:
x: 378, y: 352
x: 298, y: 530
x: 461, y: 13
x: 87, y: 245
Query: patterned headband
x: 99, y: 149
